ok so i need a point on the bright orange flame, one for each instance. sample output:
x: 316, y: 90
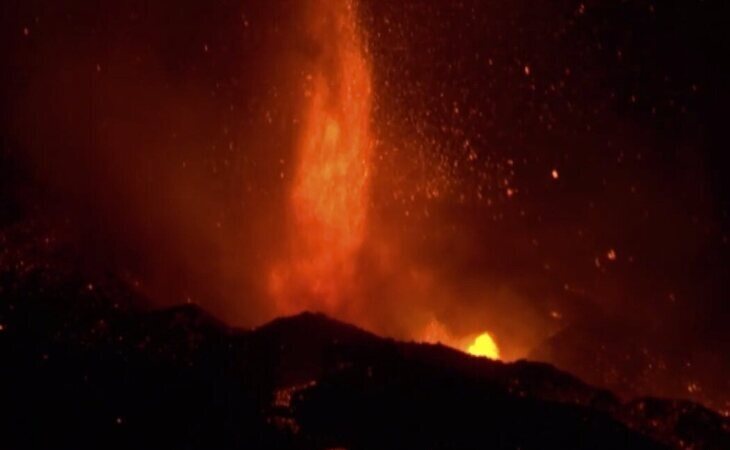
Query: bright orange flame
x: 484, y: 345
x: 330, y: 189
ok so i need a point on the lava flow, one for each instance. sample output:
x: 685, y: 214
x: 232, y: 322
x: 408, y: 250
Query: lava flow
x: 329, y: 194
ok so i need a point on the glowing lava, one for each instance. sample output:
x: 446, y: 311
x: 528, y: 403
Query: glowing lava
x: 484, y: 345
x: 329, y: 194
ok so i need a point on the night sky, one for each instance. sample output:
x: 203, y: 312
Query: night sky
x: 550, y: 171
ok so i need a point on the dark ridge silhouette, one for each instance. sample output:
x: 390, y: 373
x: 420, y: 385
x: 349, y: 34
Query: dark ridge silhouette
x: 84, y: 368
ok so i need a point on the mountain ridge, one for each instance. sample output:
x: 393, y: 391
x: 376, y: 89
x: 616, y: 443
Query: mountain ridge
x: 89, y: 369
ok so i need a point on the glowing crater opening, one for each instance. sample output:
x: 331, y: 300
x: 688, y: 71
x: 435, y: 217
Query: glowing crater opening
x: 484, y: 346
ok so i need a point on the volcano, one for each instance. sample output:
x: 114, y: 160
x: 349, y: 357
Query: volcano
x: 364, y: 224
x: 85, y: 367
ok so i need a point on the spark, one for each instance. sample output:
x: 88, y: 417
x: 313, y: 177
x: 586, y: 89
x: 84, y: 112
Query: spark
x: 611, y: 255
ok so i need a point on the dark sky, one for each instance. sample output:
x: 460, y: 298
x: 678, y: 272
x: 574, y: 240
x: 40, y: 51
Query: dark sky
x: 551, y: 168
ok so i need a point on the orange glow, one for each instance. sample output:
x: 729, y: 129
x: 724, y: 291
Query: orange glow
x: 485, y: 346
x: 329, y: 194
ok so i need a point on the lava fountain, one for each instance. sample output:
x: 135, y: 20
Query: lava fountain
x: 329, y: 193
x: 328, y: 197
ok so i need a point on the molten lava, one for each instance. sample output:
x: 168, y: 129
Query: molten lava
x: 485, y: 346
x: 329, y: 194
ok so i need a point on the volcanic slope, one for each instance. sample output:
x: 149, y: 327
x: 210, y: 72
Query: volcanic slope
x: 84, y: 366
